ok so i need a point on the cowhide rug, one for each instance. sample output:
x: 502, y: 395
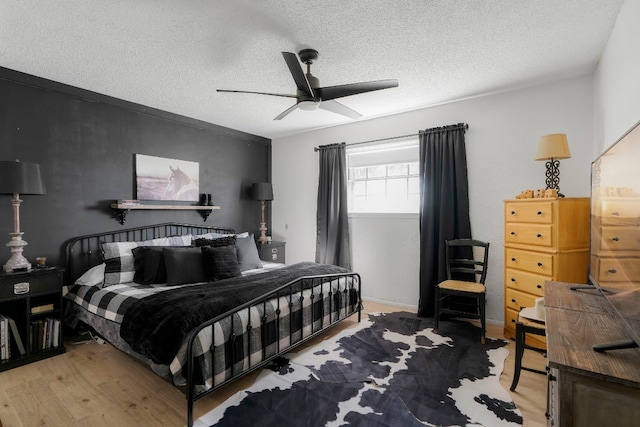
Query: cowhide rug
x: 391, y: 370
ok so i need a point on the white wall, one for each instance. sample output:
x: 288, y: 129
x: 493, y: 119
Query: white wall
x: 501, y: 143
x: 617, y: 85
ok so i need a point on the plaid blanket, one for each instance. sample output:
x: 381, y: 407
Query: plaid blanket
x: 242, y: 340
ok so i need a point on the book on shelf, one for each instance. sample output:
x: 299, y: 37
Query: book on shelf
x: 128, y: 201
x: 16, y: 336
x: 3, y: 338
x: 42, y: 308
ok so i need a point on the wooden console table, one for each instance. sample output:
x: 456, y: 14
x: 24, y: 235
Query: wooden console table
x: 587, y: 388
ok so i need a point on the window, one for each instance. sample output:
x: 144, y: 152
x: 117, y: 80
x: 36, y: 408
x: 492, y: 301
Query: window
x: 384, y: 178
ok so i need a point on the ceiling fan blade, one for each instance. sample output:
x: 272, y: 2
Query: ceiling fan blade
x: 333, y: 92
x: 297, y: 73
x: 285, y: 112
x: 257, y: 93
x: 336, y: 107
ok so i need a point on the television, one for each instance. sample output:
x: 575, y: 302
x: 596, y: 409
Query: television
x: 614, y: 267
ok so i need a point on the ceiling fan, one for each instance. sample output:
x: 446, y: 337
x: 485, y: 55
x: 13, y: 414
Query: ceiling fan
x: 310, y: 96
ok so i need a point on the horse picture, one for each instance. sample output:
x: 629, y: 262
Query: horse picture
x: 159, y: 178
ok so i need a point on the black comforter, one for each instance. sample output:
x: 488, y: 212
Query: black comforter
x: 156, y: 326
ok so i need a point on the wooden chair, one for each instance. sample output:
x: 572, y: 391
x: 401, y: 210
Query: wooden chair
x: 463, y: 293
x: 528, y: 323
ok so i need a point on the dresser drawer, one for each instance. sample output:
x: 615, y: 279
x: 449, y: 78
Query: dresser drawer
x: 511, y: 317
x: 525, y: 282
x: 533, y: 262
x: 620, y: 238
x: 19, y: 285
x: 529, y: 234
x: 618, y: 270
x: 516, y: 300
x: 529, y: 212
x: 614, y: 210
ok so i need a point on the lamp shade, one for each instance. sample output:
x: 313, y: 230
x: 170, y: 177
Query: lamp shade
x: 20, y: 178
x: 262, y: 191
x: 554, y: 146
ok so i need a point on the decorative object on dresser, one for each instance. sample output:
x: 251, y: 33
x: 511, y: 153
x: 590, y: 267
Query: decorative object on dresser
x: 31, y: 307
x: 544, y: 239
x: 19, y: 178
x: 272, y: 251
x: 262, y: 191
x: 552, y: 148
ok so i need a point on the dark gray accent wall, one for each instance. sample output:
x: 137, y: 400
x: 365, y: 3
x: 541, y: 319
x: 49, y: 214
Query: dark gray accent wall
x: 86, y: 143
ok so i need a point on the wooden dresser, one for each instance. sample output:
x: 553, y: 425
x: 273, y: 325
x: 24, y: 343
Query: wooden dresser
x: 544, y: 239
x: 587, y: 388
x: 615, y: 226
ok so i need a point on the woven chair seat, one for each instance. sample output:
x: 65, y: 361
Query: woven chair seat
x: 460, y: 285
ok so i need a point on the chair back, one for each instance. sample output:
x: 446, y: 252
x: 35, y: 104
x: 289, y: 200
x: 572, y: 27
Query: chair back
x: 461, y: 260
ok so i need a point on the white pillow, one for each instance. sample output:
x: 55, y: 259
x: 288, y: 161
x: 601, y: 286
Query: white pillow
x: 93, y: 276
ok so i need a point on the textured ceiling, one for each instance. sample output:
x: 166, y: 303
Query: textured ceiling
x: 174, y: 54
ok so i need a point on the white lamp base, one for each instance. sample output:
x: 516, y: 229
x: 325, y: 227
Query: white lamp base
x: 17, y: 260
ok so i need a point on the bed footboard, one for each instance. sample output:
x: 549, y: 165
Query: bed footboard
x: 238, y: 342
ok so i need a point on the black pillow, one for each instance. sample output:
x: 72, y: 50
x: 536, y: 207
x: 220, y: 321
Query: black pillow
x: 221, y: 262
x: 183, y: 265
x: 149, y: 265
x: 221, y: 241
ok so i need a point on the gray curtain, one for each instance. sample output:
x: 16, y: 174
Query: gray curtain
x: 444, y: 205
x: 332, y: 241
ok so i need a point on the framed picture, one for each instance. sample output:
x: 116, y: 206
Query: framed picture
x: 159, y: 178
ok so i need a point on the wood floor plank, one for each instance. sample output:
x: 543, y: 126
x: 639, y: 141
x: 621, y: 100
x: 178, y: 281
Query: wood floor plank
x: 97, y: 385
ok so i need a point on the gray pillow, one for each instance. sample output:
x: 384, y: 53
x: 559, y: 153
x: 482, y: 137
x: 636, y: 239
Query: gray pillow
x: 248, y: 253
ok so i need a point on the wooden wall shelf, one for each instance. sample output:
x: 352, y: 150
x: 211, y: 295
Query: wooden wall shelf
x: 123, y: 209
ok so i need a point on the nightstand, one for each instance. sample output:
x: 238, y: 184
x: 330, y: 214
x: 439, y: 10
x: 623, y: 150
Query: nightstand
x: 30, y: 316
x: 271, y: 252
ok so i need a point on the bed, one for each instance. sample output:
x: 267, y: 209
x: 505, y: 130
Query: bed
x: 200, y: 332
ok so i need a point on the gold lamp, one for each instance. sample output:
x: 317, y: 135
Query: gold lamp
x: 552, y: 148
x: 19, y: 178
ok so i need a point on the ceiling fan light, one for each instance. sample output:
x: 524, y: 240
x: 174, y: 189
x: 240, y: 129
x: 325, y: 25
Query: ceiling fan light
x: 308, y: 105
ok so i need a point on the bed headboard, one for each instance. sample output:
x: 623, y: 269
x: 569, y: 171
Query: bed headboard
x: 84, y: 252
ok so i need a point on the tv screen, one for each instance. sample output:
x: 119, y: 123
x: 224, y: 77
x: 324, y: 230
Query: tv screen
x: 615, y: 229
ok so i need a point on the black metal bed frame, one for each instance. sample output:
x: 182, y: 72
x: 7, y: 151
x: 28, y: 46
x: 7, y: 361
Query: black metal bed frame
x: 84, y: 252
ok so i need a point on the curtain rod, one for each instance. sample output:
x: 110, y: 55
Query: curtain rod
x: 466, y: 127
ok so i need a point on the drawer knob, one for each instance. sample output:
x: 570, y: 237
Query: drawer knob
x: 539, y: 264
x: 612, y: 271
x: 615, y: 239
x: 513, y: 259
x: 538, y: 235
x: 615, y: 213
x: 539, y: 212
x: 513, y: 320
x: 513, y: 233
x: 513, y: 212
x: 513, y: 300
x: 513, y: 279
x: 539, y: 286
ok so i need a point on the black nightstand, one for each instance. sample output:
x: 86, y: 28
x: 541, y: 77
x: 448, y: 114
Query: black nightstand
x: 271, y: 252
x: 32, y: 304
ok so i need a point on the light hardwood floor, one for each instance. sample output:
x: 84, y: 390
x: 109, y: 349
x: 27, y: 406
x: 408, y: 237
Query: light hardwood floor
x: 97, y: 385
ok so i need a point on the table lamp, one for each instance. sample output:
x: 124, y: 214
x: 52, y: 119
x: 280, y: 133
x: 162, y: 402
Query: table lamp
x: 262, y: 191
x: 18, y: 178
x: 552, y: 148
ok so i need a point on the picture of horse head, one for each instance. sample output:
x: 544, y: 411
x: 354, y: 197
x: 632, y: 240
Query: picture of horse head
x: 180, y: 186
x: 159, y: 178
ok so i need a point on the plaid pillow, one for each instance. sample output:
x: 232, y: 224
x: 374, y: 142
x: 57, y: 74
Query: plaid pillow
x: 119, y: 261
